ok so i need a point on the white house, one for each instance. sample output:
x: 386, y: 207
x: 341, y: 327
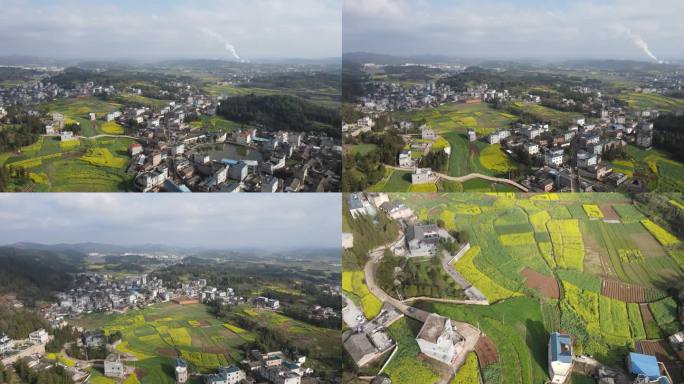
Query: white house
x: 427, y: 133
x: 554, y: 157
x: 356, y: 205
x: 560, y: 357
x: 438, y: 340
x: 405, y: 159
x: 113, y: 366
x: 5, y: 343
x: 421, y: 176
x: 181, y: 371
x: 586, y: 159
x: 39, y: 337
x: 532, y: 148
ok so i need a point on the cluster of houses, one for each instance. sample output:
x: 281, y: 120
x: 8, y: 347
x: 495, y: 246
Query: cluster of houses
x: 269, y: 367
x: 177, y: 156
x: 390, y: 97
x: 175, y: 151
x: 13, y: 350
x: 31, y: 93
x: 565, y: 158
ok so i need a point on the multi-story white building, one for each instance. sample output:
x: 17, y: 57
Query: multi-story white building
x: 438, y: 340
x: 113, y: 366
x: 554, y: 157
x: 39, y: 337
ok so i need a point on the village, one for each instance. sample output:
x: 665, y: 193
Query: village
x: 575, y: 155
x: 173, y: 149
x: 106, y: 294
x: 447, y: 341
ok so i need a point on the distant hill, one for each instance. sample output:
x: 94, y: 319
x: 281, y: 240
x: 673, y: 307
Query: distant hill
x: 618, y: 65
x: 35, y: 274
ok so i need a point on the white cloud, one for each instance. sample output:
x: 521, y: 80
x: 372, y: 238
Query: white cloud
x: 257, y: 28
x: 489, y: 28
x: 220, y: 220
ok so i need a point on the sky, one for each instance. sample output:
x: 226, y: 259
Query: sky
x: 162, y: 29
x: 220, y: 221
x: 510, y: 29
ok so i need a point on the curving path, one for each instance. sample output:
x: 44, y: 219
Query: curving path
x: 467, y: 177
x: 470, y: 333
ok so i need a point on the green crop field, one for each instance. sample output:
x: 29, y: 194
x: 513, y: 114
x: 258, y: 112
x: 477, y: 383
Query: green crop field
x: 452, y: 121
x: 561, y: 238
x: 662, y: 173
x: 642, y: 101
x: 86, y: 165
x: 160, y: 333
x: 543, y: 113
x: 404, y: 367
x: 353, y: 284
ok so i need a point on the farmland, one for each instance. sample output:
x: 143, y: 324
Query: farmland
x: 452, y: 121
x: 610, y: 263
x: 159, y: 334
x: 655, y: 166
x: 88, y: 165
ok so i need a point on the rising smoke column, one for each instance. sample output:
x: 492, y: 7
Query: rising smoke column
x: 219, y: 38
x: 639, y: 42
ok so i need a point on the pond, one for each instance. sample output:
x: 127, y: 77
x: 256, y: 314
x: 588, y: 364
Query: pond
x: 228, y: 151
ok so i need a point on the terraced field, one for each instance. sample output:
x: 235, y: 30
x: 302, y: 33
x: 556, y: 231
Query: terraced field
x: 612, y: 267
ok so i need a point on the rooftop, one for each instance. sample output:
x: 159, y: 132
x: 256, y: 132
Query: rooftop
x: 433, y: 328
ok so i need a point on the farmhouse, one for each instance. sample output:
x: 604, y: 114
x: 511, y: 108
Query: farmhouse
x: 360, y: 348
x: 422, y: 239
x: 113, y: 366
x: 39, y: 337
x: 647, y: 367
x: 438, y: 339
x: 427, y: 133
x: 472, y: 136
x: 226, y: 375
x: 560, y: 357
x: 67, y: 136
x: 135, y: 149
x: 356, y: 205
x: 405, y: 159
x: 265, y: 302
x: 184, y: 300
x: 181, y: 371
x: 531, y: 148
x: 586, y: 159
x: 5, y: 343
x: 396, y: 210
x: 553, y: 157
x: 421, y: 176
x: 147, y: 181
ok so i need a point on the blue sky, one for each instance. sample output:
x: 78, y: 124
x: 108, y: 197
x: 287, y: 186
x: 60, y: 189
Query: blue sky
x: 154, y: 29
x: 561, y: 29
x: 211, y: 220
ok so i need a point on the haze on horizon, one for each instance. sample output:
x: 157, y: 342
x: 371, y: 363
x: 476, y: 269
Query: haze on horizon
x: 220, y: 221
x: 171, y: 29
x: 517, y: 29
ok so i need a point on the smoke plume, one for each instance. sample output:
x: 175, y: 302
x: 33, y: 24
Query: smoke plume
x: 641, y: 43
x: 215, y: 36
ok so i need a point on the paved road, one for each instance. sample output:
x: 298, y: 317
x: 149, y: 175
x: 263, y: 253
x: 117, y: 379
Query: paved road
x: 470, y: 333
x: 350, y: 313
x: 468, y: 177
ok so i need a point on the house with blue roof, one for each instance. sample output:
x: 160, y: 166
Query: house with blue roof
x: 560, y: 357
x: 647, y: 367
